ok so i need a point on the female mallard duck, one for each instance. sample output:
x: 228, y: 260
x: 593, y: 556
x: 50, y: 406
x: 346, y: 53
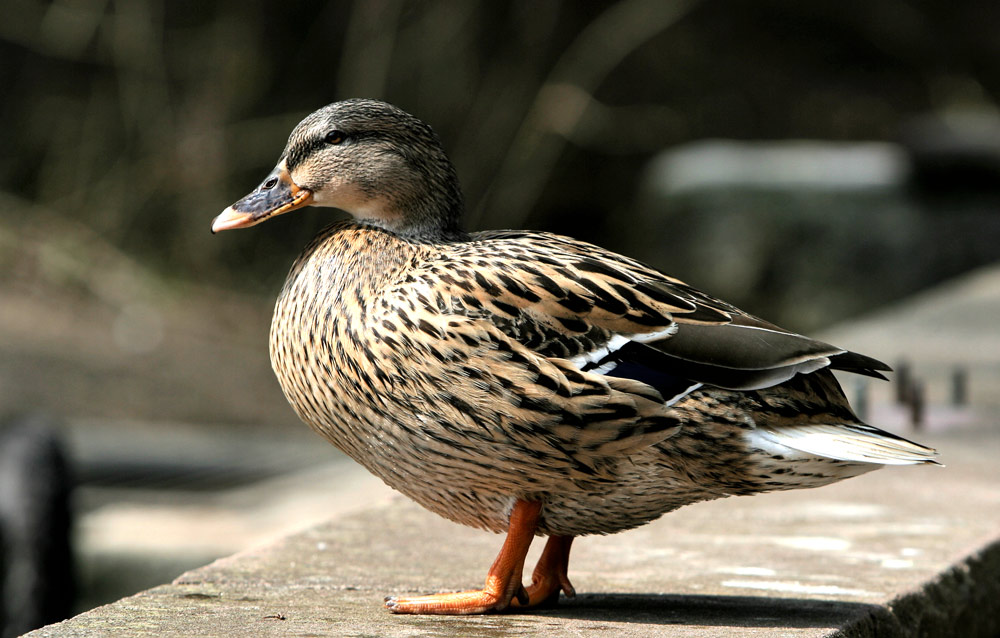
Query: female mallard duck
x: 527, y: 382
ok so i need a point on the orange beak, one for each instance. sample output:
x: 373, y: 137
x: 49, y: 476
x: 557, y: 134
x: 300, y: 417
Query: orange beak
x: 277, y: 194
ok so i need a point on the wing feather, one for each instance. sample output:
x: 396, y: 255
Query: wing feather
x: 848, y: 442
x: 607, y: 312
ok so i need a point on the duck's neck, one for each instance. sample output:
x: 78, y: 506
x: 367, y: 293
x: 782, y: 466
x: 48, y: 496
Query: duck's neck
x: 417, y: 228
x: 434, y: 233
x: 422, y: 204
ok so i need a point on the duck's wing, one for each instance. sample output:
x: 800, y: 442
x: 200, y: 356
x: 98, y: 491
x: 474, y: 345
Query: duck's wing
x: 471, y: 388
x: 563, y: 351
x: 613, y: 315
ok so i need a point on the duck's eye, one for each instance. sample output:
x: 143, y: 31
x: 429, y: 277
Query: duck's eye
x: 334, y: 137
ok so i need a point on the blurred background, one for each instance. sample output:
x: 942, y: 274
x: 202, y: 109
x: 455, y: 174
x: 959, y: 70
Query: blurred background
x: 811, y: 162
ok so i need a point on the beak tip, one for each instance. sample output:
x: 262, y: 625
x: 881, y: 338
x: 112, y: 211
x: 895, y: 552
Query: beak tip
x: 229, y: 219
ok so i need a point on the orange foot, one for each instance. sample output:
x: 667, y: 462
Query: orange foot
x: 503, y: 582
x: 550, y: 575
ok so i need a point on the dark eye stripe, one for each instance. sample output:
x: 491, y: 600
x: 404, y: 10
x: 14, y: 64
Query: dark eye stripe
x: 298, y: 153
x: 301, y: 151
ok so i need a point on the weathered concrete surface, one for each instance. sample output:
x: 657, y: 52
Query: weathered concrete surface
x: 905, y: 551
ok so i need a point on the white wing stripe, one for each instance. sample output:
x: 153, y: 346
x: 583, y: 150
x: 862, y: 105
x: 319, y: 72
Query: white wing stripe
x: 616, y: 342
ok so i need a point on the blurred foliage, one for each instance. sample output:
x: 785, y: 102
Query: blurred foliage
x: 143, y: 118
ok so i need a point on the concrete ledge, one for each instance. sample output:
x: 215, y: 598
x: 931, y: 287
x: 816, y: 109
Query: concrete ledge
x: 900, y: 552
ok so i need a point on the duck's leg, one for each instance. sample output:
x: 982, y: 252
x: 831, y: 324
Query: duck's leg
x: 550, y: 575
x: 503, y: 581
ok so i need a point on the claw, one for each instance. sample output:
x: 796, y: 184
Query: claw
x: 567, y: 588
x: 522, y: 595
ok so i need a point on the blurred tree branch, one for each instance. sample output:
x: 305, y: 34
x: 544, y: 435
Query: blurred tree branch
x: 563, y: 99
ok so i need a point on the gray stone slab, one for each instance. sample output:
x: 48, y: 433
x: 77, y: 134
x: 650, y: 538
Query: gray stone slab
x: 904, y: 551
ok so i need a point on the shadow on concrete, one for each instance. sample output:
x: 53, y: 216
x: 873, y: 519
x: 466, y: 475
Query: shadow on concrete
x: 715, y: 611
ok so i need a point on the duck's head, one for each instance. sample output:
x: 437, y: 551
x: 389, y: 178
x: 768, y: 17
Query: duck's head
x: 368, y: 158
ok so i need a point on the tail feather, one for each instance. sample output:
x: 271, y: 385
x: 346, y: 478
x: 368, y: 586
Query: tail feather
x: 850, y: 442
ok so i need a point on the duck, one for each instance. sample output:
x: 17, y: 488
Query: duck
x: 523, y: 382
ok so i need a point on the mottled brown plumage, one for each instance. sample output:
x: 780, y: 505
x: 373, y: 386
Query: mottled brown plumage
x: 528, y: 382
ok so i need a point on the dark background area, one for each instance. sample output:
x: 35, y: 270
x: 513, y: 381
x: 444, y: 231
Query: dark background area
x: 141, y: 120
